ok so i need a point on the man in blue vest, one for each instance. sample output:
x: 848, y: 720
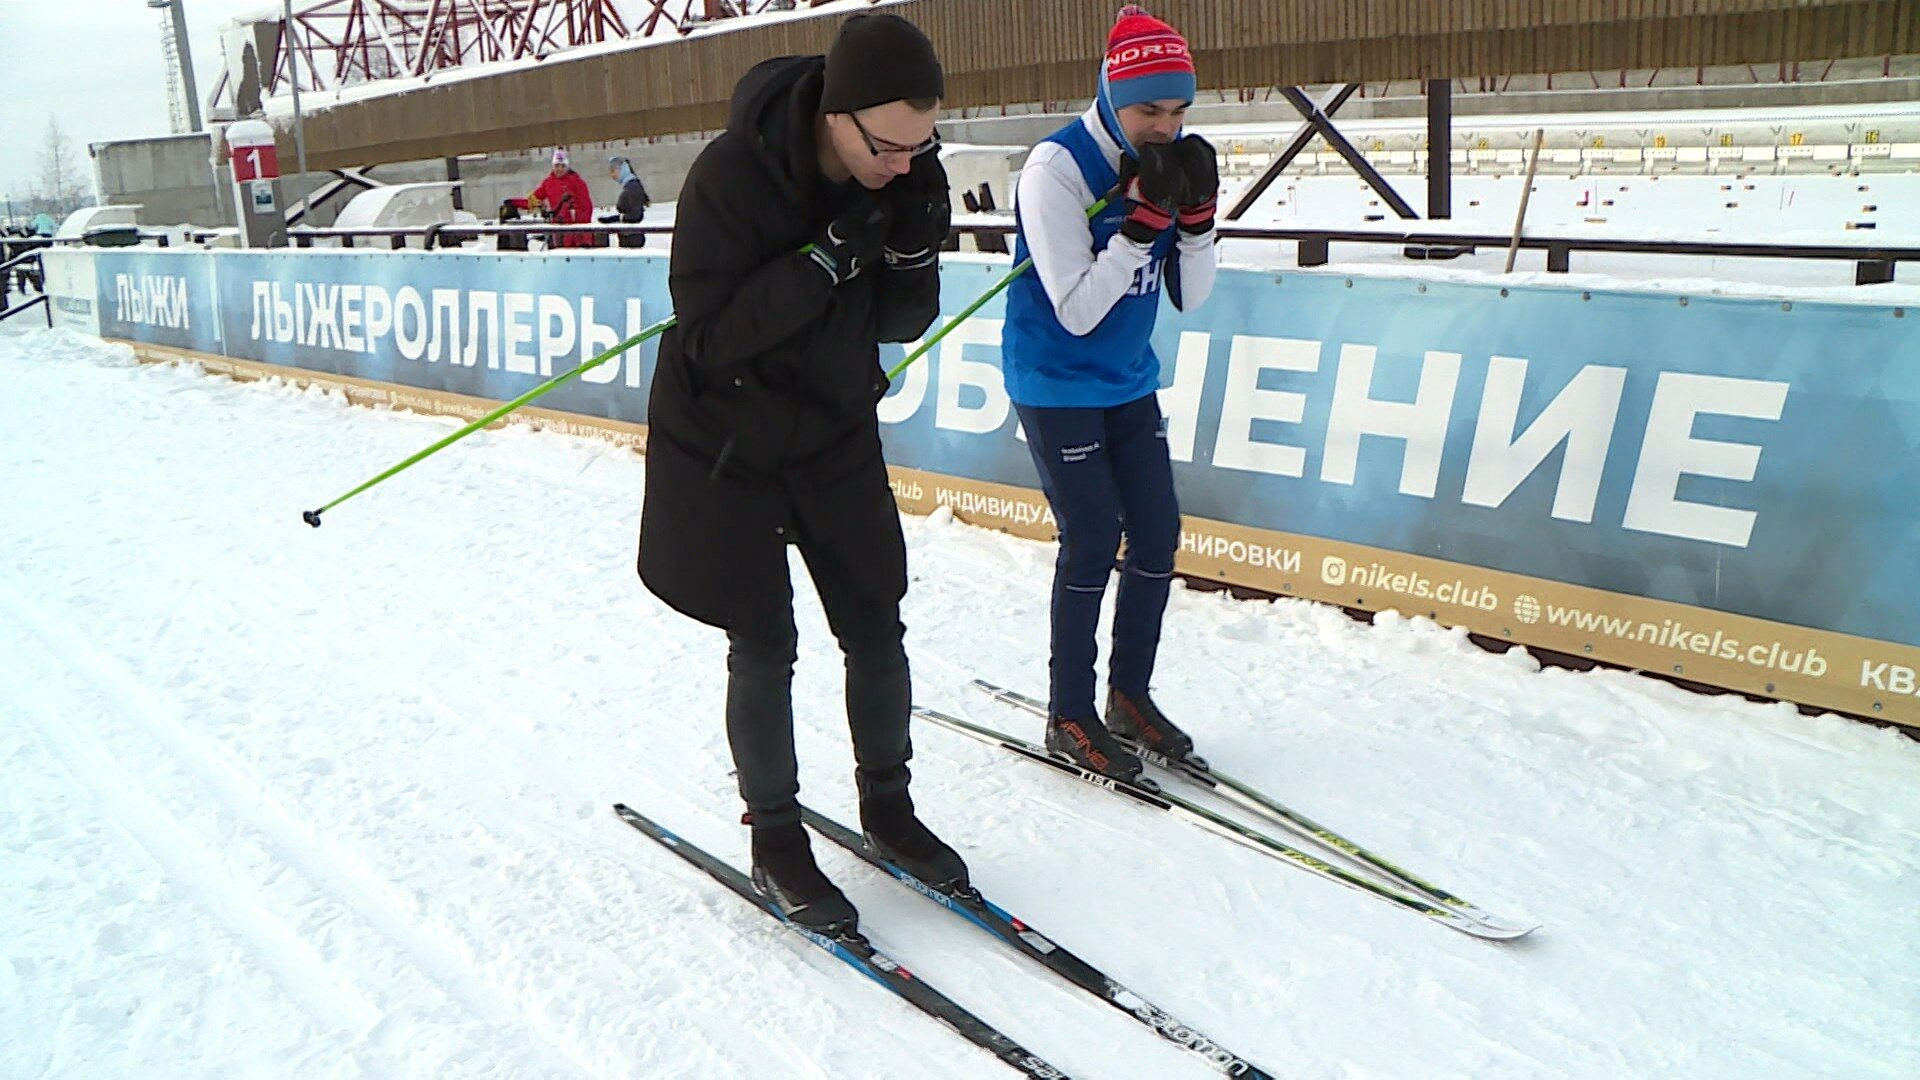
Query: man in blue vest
x: 1083, y: 376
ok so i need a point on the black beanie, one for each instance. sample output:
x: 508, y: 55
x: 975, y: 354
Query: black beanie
x: 877, y: 59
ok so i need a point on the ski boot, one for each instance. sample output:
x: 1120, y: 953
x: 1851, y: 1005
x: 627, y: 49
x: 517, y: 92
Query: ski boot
x: 785, y: 873
x: 1139, y: 719
x: 1088, y: 744
x: 897, y: 835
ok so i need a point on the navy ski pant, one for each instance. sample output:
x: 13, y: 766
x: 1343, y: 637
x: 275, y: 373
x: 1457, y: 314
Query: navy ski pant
x: 1107, y: 475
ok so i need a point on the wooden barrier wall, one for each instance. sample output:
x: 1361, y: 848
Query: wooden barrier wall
x: 1015, y: 51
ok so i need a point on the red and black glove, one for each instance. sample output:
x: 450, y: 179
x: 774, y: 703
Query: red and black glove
x: 1154, y: 181
x: 1202, y: 174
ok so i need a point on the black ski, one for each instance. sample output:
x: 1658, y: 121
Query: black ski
x: 856, y: 952
x: 977, y: 909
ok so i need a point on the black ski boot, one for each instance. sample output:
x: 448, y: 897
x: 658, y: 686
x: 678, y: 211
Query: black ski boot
x: 784, y: 872
x: 1088, y: 744
x: 897, y: 835
x: 1139, y: 719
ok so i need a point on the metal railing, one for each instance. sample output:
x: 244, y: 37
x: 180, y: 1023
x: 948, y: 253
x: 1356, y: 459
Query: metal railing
x: 8, y: 272
x: 450, y: 235
x: 1873, y: 263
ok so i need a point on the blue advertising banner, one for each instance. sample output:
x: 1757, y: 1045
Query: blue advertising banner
x: 485, y: 325
x: 1713, y: 487
x: 1747, y: 456
x: 157, y: 297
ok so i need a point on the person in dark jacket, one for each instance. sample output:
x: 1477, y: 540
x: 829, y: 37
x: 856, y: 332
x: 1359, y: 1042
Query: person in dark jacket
x: 632, y: 201
x: 807, y: 234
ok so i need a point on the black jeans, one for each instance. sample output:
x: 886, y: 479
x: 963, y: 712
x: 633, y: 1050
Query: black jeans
x: 760, y: 695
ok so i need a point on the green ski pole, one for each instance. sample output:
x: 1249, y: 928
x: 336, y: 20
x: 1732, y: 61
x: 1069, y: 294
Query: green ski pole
x: 312, y: 517
x: 998, y: 287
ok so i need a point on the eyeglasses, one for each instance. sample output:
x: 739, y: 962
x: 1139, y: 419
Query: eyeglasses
x: 879, y: 147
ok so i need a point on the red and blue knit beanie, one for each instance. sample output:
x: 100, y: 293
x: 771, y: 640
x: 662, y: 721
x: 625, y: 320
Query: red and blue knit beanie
x: 1147, y: 60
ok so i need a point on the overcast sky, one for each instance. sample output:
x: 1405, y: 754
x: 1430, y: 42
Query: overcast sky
x: 96, y: 66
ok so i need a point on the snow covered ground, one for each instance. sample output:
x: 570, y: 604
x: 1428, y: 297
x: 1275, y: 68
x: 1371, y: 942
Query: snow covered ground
x: 280, y: 802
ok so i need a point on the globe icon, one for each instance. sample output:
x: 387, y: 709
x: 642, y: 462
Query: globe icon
x: 1526, y: 609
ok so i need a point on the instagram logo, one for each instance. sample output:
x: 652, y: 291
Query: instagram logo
x: 1333, y: 570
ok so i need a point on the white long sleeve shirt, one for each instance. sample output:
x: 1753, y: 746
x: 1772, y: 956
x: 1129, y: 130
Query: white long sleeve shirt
x: 1051, y: 200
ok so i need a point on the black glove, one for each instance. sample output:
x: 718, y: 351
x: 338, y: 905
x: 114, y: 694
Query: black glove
x: 853, y: 241
x: 922, y: 214
x: 1155, y: 183
x: 1202, y: 174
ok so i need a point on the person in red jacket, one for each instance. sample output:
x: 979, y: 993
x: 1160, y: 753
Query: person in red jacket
x: 564, y: 193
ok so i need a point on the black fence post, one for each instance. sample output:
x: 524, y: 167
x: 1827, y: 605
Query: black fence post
x: 1873, y: 272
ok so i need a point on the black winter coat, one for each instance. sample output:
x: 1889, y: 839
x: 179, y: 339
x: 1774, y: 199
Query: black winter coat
x: 761, y: 423
x: 632, y: 202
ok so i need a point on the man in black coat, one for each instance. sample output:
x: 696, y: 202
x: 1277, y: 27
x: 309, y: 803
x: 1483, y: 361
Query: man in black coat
x: 807, y: 233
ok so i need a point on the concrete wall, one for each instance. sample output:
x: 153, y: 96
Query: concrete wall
x: 174, y: 183
x: 489, y: 181
x: 171, y: 178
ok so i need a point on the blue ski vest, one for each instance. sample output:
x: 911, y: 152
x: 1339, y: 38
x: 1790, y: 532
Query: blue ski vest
x: 1047, y: 367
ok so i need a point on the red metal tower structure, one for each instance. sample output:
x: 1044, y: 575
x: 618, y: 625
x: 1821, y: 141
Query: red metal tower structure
x: 332, y: 44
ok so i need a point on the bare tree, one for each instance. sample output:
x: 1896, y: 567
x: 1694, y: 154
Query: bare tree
x: 59, y: 174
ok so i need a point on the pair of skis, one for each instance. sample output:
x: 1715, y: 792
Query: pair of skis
x: 1366, y: 872
x: 854, y: 949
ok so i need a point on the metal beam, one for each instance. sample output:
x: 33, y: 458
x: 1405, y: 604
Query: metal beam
x: 1439, y: 149
x: 1347, y: 150
x: 1301, y: 137
x: 185, y: 53
x: 290, y: 52
x: 453, y: 176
